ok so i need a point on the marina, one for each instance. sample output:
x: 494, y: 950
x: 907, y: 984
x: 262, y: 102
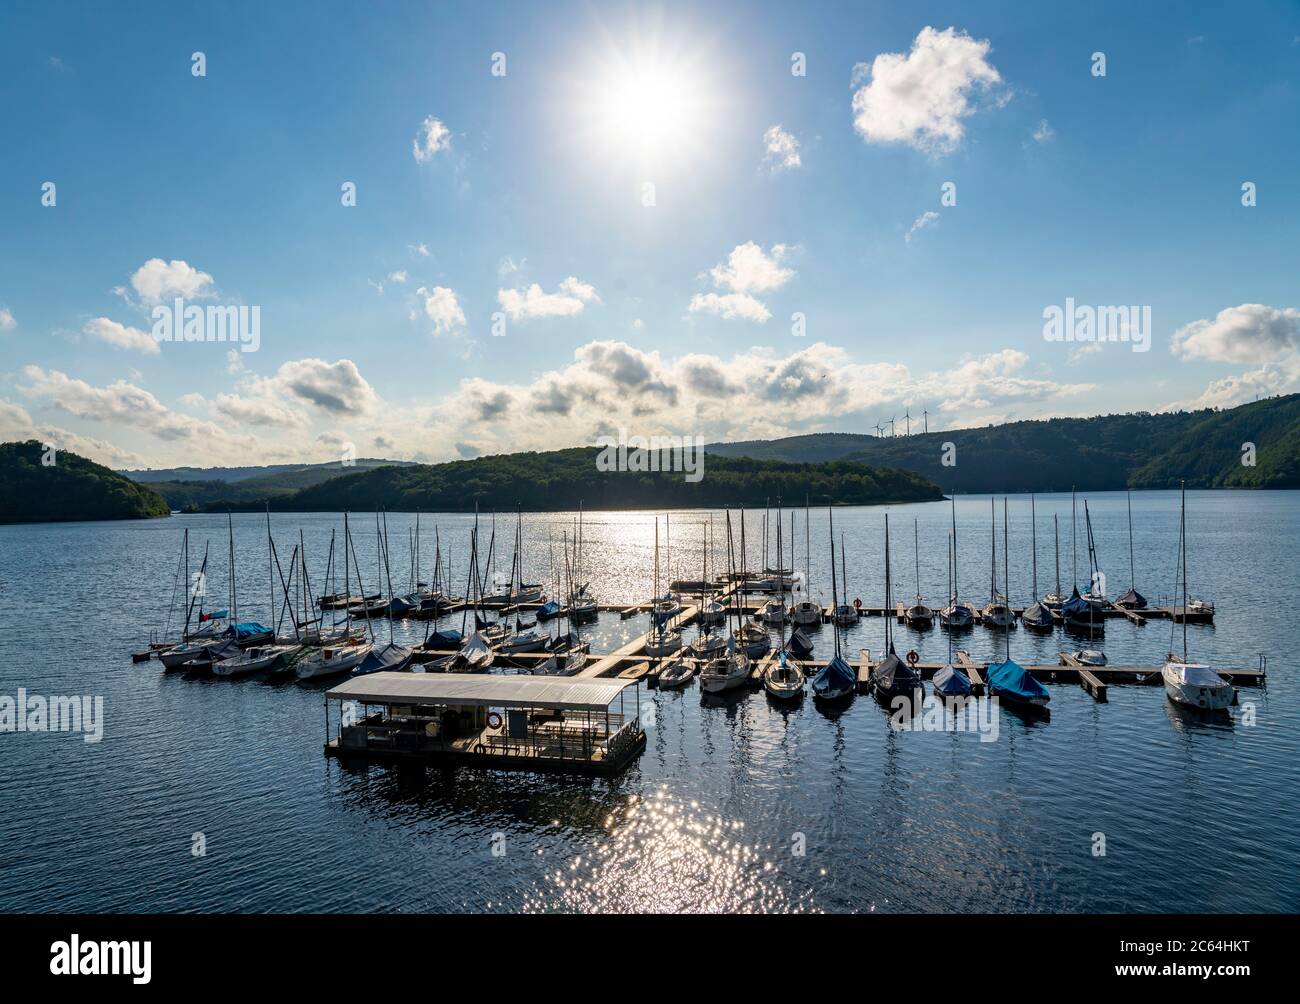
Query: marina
x: 757, y: 766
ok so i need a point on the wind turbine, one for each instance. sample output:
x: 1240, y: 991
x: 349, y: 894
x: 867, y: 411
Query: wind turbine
x: 908, y: 415
x: 893, y: 433
x: 926, y: 415
x: 879, y: 428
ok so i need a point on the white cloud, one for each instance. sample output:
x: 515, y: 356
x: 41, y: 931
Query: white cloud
x: 921, y: 222
x: 337, y: 388
x: 747, y: 270
x: 730, y: 306
x: 7, y: 322
x: 1249, y: 333
x: 398, y: 276
x: 781, y: 149
x: 1230, y: 391
x: 157, y: 280
x: 16, y: 425
x: 922, y: 98
x: 119, y: 402
x: 121, y: 336
x: 1044, y: 133
x: 442, y: 308
x: 569, y: 300
x: 432, y: 138
x: 419, y: 249
x: 259, y: 411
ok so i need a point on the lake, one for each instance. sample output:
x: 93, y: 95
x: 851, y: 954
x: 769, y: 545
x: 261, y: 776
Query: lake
x: 736, y: 805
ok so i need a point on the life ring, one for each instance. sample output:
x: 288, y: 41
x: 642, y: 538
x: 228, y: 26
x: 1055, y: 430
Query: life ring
x: 494, y: 720
x: 913, y: 658
x: 857, y: 603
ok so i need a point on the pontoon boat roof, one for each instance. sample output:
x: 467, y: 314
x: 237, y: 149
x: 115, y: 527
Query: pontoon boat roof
x: 482, y: 690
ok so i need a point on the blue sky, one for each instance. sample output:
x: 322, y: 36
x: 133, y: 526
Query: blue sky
x: 674, y: 317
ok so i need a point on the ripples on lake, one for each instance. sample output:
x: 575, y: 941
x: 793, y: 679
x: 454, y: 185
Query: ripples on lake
x: 735, y: 805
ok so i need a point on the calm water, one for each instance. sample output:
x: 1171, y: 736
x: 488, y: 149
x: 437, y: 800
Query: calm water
x: 1196, y: 815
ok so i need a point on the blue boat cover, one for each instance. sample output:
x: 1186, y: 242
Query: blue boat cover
x: 444, y: 640
x: 548, y: 610
x: 390, y: 659
x: 1076, y: 606
x: 951, y: 682
x: 403, y: 604
x: 1013, y: 680
x: 835, y: 675
x: 246, y: 629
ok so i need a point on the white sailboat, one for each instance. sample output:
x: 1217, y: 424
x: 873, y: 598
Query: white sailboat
x: 957, y: 615
x: 1193, y: 684
x: 783, y: 679
x: 996, y: 614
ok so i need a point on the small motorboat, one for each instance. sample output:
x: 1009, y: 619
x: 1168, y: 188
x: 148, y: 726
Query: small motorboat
x: 834, y: 681
x: 1196, y: 685
x: 949, y: 681
x: 1091, y: 656
x: 179, y: 656
x: 583, y: 607
x: 676, y: 673
x: 1200, y: 608
x: 783, y: 679
x: 1012, y: 682
x: 332, y: 660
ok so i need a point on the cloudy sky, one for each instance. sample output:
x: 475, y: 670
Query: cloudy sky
x: 726, y: 219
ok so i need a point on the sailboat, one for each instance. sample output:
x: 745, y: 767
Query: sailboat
x: 661, y: 639
x: 1010, y: 681
x: 783, y: 679
x: 1083, y: 614
x: 996, y: 614
x: 1036, y: 616
x: 582, y: 602
x: 1132, y: 600
x: 892, y: 677
x: 343, y: 657
x: 805, y: 611
x: 730, y: 670
x: 753, y: 639
x: 836, y: 680
x: 957, y: 615
x: 1055, y: 599
x: 948, y: 680
x: 918, y: 615
x: 1194, y: 685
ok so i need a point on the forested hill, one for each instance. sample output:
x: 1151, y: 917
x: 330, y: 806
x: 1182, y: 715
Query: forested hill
x: 562, y: 479
x: 1110, y: 452
x: 72, y: 488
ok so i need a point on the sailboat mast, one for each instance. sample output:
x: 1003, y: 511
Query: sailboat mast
x: 1033, y: 520
x: 388, y: 577
x: 1074, y: 541
x: 916, y: 551
x: 993, y: 550
x: 1006, y: 548
x: 1056, y: 538
x: 1182, y: 537
x: 1132, y: 572
x: 270, y: 560
x: 347, y: 580
x: 835, y: 599
x: 889, y: 639
x: 234, y: 595
x: 955, y: 587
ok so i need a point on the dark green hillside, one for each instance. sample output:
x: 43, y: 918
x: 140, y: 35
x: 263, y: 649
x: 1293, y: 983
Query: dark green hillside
x: 73, y: 488
x: 562, y: 479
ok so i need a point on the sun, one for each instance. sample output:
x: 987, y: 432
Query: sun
x: 646, y: 106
